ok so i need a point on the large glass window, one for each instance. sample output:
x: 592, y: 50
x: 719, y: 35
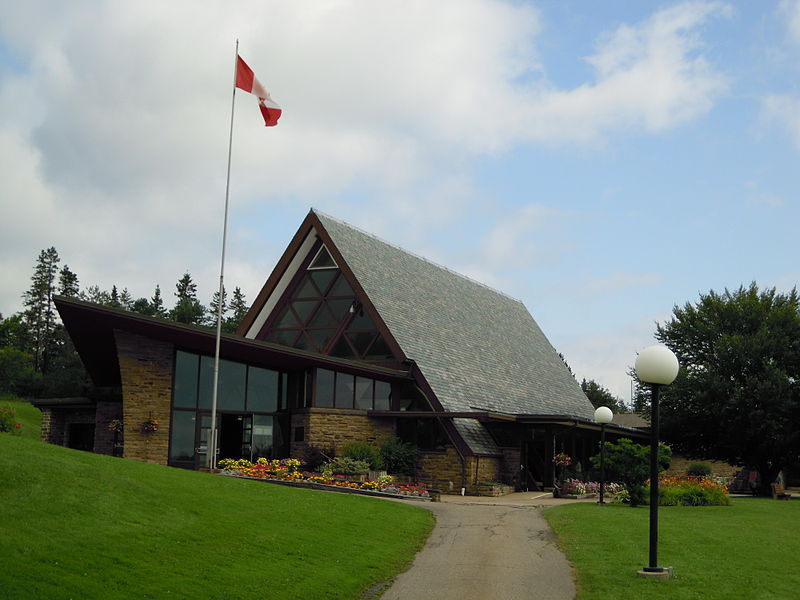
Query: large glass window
x: 343, y: 390
x: 262, y: 390
x: 185, y: 395
x: 182, y: 428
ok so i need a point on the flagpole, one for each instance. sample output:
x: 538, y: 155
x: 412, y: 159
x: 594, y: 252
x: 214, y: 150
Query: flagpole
x: 212, y: 442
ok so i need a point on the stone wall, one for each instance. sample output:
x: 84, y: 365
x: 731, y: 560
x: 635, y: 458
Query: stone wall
x: 442, y: 471
x: 146, y: 370
x: 103, y: 438
x: 334, y: 428
x: 56, y: 421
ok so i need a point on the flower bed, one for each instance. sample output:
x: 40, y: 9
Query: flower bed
x: 575, y: 488
x: 690, y: 490
x: 288, y: 470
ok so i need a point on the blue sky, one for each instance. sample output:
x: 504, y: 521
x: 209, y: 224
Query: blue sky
x: 601, y: 162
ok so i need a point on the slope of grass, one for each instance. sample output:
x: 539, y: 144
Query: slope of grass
x: 27, y: 414
x: 80, y: 525
x: 747, y: 549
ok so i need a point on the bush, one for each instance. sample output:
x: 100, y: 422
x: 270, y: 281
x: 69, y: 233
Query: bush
x: 8, y: 419
x: 629, y: 464
x: 399, y: 457
x: 699, y: 469
x: 315, y: 457
x: 345, y: 466
x: 366, y: 452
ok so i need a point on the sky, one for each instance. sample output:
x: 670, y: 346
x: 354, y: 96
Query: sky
x: 602, y: 162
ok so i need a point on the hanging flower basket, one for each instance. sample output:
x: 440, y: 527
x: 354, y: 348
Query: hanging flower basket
x: 115, y: 425
x: 562, y: 460
x: 150, y: 426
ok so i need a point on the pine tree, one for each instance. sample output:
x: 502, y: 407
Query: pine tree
x: 40, y: 318
x: 157, y: 303
x: 187, y: 309
x: 94, y: 294
x: 211, y: 319
x: 238, y: 310
x: 68, y: 283
x: 125, y: 299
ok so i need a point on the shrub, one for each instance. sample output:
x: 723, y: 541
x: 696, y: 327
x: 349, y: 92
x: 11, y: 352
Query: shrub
x: 399, y: 457
x: 315, y: 457
x: 629, y: 463
x: 366, y: 452
x: 699, y: 469
x: 8, y: 419
x: 346, y: 466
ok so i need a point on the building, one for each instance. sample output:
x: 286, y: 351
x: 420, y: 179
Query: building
x: 350, y: 339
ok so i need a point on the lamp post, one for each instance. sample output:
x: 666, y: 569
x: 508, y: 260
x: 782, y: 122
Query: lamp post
x: 603, y: 415
x: 656, y: 365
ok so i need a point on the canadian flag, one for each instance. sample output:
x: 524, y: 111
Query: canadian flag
x: 246, y: 80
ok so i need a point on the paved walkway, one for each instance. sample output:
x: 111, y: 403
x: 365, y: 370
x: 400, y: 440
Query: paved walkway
x: 487, y: 548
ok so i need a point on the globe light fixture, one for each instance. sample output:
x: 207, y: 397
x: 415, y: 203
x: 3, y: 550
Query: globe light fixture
x: 656, y: 365
x: 603, y: 415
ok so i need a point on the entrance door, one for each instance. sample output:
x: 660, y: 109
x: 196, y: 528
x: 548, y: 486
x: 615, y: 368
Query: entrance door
x: 235, y: 436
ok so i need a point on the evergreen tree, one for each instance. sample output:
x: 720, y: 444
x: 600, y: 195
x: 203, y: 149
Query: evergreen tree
x: 211, y: 319
x: 238, y: 310
x: 114, y: 298
x: 142, y: 306
x: 187, y: 309
x: 68, y: 283
x: 125, y: 299
x: 157, y: 303
x: 95, y: 294
x: 39, y: 315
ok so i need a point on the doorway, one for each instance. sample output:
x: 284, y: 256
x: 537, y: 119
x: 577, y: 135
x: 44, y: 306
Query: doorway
x: 235, y: 434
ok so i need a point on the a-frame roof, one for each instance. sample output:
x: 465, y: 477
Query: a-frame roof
x: 478, y: 349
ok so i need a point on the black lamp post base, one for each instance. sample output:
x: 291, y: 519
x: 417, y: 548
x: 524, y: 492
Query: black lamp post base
x: 656, y: 572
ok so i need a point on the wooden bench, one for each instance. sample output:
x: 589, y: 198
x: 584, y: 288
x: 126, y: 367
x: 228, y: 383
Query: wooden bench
x: 779, y: 491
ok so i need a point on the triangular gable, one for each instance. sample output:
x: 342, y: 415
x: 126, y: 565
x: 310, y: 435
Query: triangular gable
x: 313, y: 302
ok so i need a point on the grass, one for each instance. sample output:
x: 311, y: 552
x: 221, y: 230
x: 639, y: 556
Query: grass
x: 27, y: 414
x: 80, y: 525
x: 748, y: 549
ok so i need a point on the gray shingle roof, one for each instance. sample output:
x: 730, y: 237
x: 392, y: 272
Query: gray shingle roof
x: 478, y: 348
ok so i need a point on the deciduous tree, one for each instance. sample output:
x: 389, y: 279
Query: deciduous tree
x: 737, y: 395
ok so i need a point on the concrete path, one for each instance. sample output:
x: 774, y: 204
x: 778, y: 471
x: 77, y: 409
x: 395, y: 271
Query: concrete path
x: 488, y: 548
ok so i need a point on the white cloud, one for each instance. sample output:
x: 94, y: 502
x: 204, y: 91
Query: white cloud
x: 790, y: 12
x: 115, y: 132
x: 784, y: 110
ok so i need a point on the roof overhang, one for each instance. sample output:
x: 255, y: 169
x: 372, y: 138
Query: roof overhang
x: 487, y: 417
x: 91, y: 327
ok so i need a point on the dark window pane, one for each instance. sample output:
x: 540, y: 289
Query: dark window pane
x: 363, y: 393
x: 323, y: 394
x: 262, y: 390
x: 182, y: 432
x: 323, y: 278
x: 342, y: 349
x: 322, y: 260
x: 307, y: 289
x: 186, y: 369
x: 321, y: 337
x: 340, y: 308
x: 341, y: 288
x: 360, y: 321
x: 361, y: 340
x: 305, y: 308
x: 206, y: 381
x: 379, y: 350
x: 232, y: 378
x: 302, y: 343
x: 285, y: 337
x: 284, y: 390
x: 383, y: 395
x: 323, y: 318
x: 287, y: 320
x: 345, y: 386
x: 262, y: 437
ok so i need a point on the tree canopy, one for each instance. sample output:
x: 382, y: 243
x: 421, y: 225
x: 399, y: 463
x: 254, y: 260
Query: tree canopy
x: 601, y: 396
x: 737, y: 395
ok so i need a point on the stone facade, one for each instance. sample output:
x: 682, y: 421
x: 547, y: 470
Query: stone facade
x: 103, y: 438
x: 334, y: 428
x: 146, y: 371
x: 56, y: 422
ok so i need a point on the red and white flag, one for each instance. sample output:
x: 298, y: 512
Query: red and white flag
x: 246, y: 80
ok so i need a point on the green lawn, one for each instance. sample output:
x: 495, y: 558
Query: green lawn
x: 80, y: 525
x: 748, y: 550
